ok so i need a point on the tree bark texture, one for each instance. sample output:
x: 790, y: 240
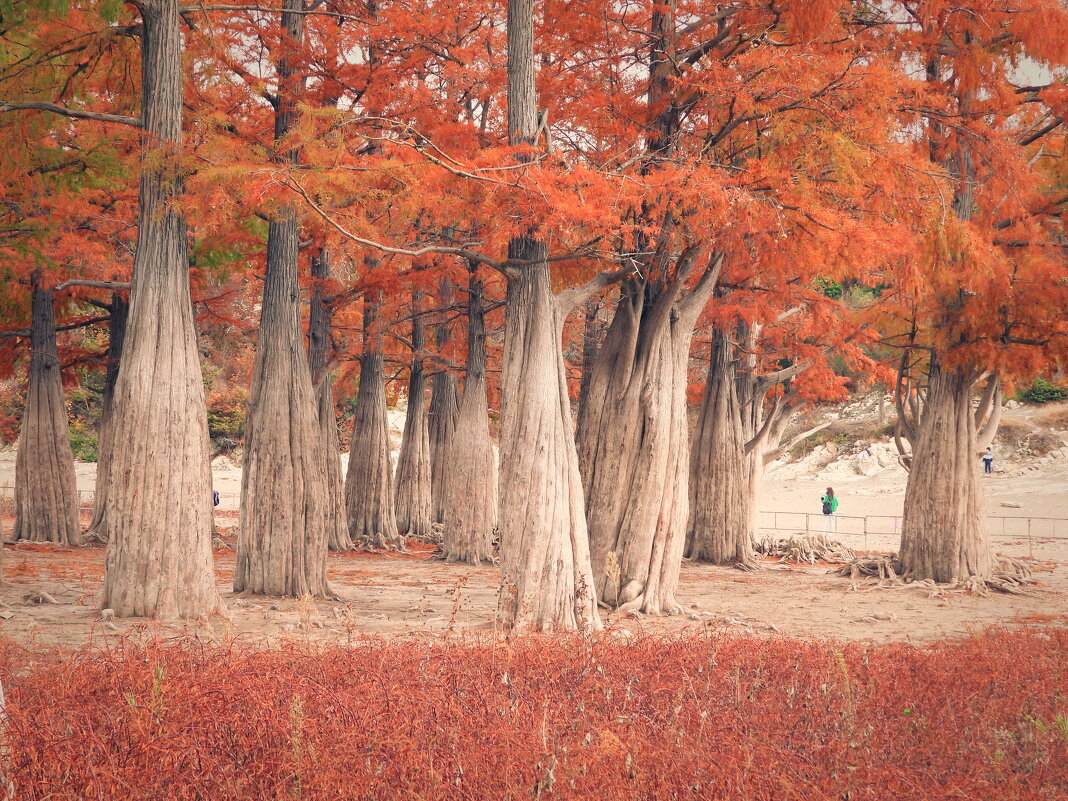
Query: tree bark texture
x: 633, y: 442
x: 547, y: 580
x: 46, y: 490
x: 444, y: 407
x: 470, y: 475
x: 369, y: 481
x: 286, y: 515
x: 119, y: 310
x: 943, y: 530
x: 413, y: 499
x: 724, y: 476
x: 159, y: 514
x: 320, y: 351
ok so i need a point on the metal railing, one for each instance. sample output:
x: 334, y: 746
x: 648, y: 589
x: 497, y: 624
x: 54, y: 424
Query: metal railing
x: 884, y: 531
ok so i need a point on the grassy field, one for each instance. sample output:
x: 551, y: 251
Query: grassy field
x: 703, y: 717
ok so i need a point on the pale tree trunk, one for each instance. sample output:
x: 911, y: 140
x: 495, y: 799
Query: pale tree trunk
x: 470, y: 476
x: 286, y: 515
x: 943, y: 530
x: 320, y: 351
x: 46, y: 490
x: 722, y: 486
x: 738, y: 432
x: 118, y: 310
x: 634, y: 442
x: 444, y: 406
x: 371, y: 516
x: 546, y: 578
x: 159, y: 515
x: 413, y: 501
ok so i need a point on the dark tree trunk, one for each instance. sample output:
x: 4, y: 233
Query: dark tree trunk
x: 320, y: 354
x: 118, y: 310
x: 413, y: 499
x: 592, y: 334
x: 46, y: 489
x: 286, y: 514
x: 369, y: 481
x: 159, y: 488
x: 943, y: 530
x: 444, y: 406
x: 470, y: 480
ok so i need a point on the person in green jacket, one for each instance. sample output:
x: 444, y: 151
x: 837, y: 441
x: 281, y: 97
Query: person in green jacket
x: 830, y: 506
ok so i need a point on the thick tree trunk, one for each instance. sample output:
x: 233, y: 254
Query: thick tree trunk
x: 470, y: 477
x: 724, y: 477
x: 286, y: 514
x: 46, y: 489
x: 943, y: 531
x: 159, y: 489
x: 634, y: 449
x: 320, y: 351
x: 546, y: 578
x: 369, y: 481
x: 413, y: 500
x: 547, y: 581
x: 119, y: 311
x: 444, y: 407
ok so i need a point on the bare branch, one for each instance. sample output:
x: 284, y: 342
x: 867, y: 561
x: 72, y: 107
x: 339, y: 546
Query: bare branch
x: 77, y: 114
x: 114, y: 286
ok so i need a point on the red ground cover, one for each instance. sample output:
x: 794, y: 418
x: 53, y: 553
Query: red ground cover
x: 708, y: 717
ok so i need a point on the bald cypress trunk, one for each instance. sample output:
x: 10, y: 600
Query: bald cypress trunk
x: 724, y: 476
x: 320, y: 349
x: 444, y: 406
x: 413, y: 497
x: 470, y: 479
x: 159, y: 515
x: 943, y: 529
x: 286, y: 515
x: 46, y: 490
x: 634, y: 442
x: 546, y: 579
x: 119, y: 310
x: 369, y: 500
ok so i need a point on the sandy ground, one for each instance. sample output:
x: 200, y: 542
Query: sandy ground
x: 416, y: 595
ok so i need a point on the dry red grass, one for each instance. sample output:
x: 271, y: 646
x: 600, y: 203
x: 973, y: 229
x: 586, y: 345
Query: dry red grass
x: 701, y: 718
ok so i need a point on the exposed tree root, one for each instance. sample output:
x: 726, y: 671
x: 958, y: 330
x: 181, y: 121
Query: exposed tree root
x: 1010, y: 576
x: 809, y: 548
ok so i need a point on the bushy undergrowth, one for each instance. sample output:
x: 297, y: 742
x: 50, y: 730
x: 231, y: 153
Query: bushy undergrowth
x: 702, y: 718
x: 1043, y: 391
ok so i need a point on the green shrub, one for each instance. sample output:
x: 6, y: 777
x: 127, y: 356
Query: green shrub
x: 83, y: 441
x: 1042, y: 391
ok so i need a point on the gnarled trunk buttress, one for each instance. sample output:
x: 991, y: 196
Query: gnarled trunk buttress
x: 320, y: 349
x: 159, y: 515
x: 470, y: 477
x: 634, y: 443
x: 118, y: 312
x: 46, y: 489
x: 369, y: 481
x: 943, y: 530
x: 413, y: 498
